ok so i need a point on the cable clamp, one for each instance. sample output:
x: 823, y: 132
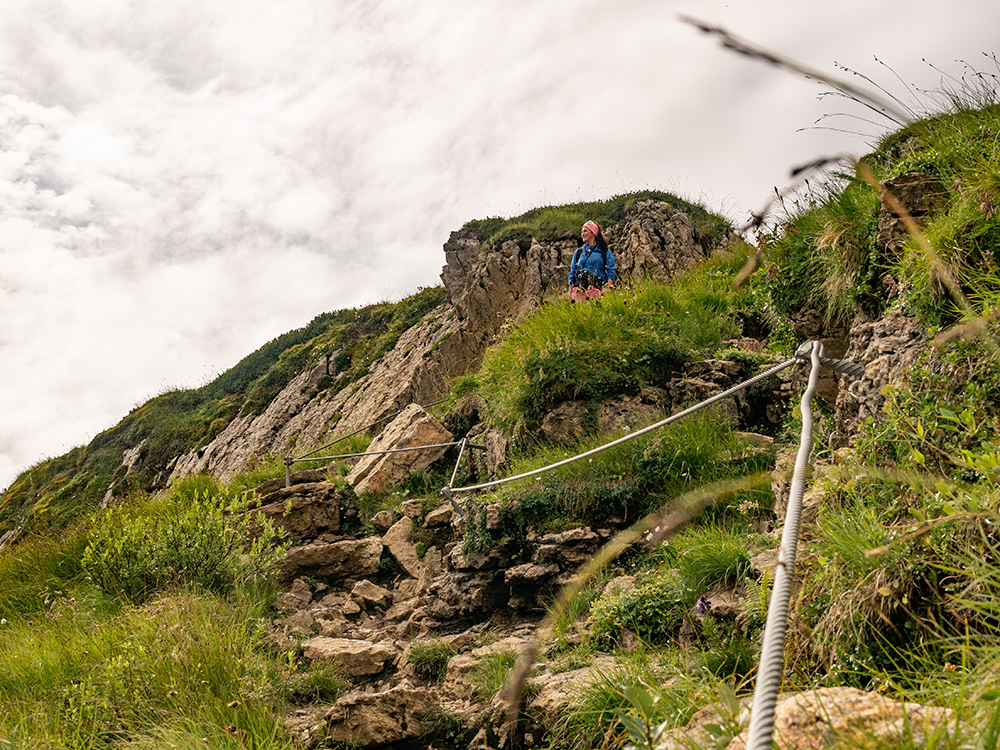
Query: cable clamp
x: 804, y: 352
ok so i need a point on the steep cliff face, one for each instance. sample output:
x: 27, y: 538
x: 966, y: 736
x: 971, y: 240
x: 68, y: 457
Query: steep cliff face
x: 485, y: 288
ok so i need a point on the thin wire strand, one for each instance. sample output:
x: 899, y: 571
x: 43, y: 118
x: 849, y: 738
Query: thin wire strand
x: 379, y: 453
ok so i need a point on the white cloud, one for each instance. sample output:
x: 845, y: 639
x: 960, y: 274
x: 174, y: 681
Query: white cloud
x: 181, y: 182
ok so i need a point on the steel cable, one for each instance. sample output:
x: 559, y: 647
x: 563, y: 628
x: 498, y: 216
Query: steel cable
x: 772, y: 654
x: 447, y: 491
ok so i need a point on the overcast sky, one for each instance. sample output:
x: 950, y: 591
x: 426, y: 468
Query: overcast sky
x: 182, y: 181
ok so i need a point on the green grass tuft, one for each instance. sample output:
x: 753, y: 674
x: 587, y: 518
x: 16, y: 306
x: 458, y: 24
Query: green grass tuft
x: 430, y: 658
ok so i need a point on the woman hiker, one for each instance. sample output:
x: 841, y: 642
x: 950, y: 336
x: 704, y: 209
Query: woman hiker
x: 593, y: 264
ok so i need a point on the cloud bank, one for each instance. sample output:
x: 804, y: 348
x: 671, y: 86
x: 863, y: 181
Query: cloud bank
x: 181, y: 182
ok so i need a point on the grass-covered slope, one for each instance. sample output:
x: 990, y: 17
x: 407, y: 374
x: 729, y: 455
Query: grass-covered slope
x: 144, y: 627
x: 176, y: 422
x: 828, y: 256
x: 631, y: 337
x: 899, y: 571
x: 904, y: 545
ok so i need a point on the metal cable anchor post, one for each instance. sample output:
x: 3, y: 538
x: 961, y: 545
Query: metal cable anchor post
x: 772, y: 653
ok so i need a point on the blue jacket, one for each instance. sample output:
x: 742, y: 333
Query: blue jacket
x: 589, y: 257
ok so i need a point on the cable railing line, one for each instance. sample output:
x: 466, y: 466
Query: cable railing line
x: 397, y: 450
x: 306, y: 456
x: 448, y: 491
x: 772, y: 652
x: 311, y: 457
x: 461, y: 451
x: 464, y: 442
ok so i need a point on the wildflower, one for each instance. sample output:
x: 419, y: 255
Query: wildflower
x: 703, y: 604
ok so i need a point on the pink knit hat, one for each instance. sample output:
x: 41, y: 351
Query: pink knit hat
x: 592, y: 226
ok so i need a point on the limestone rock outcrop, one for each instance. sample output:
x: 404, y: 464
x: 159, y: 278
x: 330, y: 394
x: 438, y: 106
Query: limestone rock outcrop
x: 379, y: 719
x: 354, y: 658
x: 887, y: 348
x: 919, y: 194
x: 888, y: 345
x: 351, y: 559
x: 397, y: 541
x: 413, y: 428
x: 810, y: 323
x: 303, y: 511
x: 303, y: 414
x: 571, y: 421
x: 658, y: 240
x: 489, y: 287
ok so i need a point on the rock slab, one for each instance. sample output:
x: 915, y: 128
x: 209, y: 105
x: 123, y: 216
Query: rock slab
x: 353, y: 658
x: 843, y: 717
x: 413, y: 427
